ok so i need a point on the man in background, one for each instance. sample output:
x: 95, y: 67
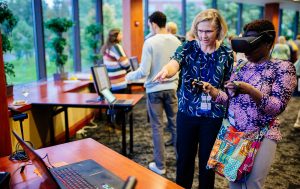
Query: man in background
x: 157, y: 51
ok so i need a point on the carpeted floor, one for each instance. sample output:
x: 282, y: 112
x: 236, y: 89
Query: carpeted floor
x: 284, y: 174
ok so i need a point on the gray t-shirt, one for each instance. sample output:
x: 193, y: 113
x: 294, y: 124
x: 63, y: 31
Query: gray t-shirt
x: 157, y: 51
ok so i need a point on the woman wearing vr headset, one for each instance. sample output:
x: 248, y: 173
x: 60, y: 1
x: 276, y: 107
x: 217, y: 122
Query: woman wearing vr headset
x: 198, y: 118
x: 257, y: 93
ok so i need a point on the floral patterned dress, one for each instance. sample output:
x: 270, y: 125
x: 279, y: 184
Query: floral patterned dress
x: 276, y: 79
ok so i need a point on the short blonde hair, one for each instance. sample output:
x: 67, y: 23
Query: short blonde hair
x: 216, y: 19
x: 172, y: 27
x: 281, y: 39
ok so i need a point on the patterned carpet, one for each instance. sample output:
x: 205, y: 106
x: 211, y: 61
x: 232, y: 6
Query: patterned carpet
x: 284, y: 174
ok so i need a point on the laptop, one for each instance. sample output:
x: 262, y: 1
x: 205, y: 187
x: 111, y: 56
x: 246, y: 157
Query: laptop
x: 113, y: 100
x: 134, y: 63
x: 83, y: 174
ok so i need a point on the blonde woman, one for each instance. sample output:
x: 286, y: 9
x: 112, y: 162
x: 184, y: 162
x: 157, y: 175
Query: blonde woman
x: 281, y: 49
x: 199, y: 119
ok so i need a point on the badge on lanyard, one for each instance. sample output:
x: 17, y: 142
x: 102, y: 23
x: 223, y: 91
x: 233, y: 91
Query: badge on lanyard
x: 205, y: 102
x: 231, y: 117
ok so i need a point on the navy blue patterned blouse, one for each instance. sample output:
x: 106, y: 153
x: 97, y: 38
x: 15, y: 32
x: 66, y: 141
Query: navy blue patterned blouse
x: 214, y: 68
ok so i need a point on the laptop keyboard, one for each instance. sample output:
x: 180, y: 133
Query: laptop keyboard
x: 71, y: 179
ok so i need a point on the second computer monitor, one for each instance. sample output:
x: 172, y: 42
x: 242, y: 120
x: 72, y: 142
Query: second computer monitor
x: 101, y: 79
x: 134, y: 63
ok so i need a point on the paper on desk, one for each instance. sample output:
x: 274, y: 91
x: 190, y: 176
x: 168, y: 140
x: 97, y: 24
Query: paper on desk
x: 57, y: 164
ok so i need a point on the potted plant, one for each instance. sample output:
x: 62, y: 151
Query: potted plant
x: 7, y: 23
x: 59, y: 26
x: 92, y: 36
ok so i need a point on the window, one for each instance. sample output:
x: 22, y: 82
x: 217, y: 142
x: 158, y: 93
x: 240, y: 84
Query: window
x: 171, y: 8
x: 87, y: 12
x: 193, y: 7
x: 112, y: 15
x: 229, y: 12
x: 250, y: 13
x: 22, y: 55
x: 53, y: 9
x: 288, y: 17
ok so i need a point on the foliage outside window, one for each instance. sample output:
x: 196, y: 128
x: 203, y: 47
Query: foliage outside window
x: 92, y: 34
x: 59, y: 26
x: 229, y: 12
x: 87, y: 16
x: 173, y: 10
x: 53, y: 9
x: 22, y: 55
x: 7, y: 23
x: 194, y: 7
x: 112, y: 15
x: 250, y: 13
x: 288, y: 17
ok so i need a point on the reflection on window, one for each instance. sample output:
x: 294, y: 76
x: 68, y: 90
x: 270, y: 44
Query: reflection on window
x: 193, y: 7
x: 250, y: 13
x: 288, y: 17
x: 229, y: 12
x: 22, y: 56
x: 87, y: 12
x: 112, y: 15
x: 53, y: 9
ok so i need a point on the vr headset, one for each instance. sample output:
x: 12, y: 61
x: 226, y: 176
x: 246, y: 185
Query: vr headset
x: 248, y: 43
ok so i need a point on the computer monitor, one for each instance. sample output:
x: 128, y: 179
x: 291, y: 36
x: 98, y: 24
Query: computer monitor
x: 101, y: 79
x: 134, y: 63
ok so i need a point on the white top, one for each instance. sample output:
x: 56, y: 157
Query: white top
x: 157, y: 52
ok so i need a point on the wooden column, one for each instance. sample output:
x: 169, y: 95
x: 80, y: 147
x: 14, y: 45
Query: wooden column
x: 272, y: 14
x: 133, y: 33
x: 5, y: 141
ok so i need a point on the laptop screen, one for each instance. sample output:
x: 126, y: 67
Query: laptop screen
x: 38, y: 162
x: 134, y: 63
x: 100, y: 77
x: 108, y: 95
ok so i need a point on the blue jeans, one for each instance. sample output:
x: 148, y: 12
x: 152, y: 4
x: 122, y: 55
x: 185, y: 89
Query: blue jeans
x: 195, y: 133
x: 157, y: 102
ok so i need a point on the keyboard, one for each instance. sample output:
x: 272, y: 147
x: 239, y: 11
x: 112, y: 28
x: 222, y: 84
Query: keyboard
x: 125, y: 102
x: 71, y: 179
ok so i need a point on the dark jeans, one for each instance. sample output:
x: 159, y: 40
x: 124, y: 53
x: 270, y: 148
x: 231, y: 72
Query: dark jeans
x: 191, y: 132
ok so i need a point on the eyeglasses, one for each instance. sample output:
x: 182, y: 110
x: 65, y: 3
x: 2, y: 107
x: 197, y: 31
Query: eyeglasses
x: 206, y: 31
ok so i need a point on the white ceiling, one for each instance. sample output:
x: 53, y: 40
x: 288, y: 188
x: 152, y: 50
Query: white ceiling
x: 284, y: 4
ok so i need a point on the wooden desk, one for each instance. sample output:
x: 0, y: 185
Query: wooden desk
x: 82, y: 150
x: 66, y: 100
x: 63, y: 95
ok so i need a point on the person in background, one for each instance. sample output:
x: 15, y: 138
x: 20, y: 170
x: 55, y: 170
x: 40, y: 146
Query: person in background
x: 297, y: 90
x: 297, y: 42
x: 198, y: 118
x: 281, y: 49
x: 172, y: 29
x: 293, y: 49
x: 157, y: 51
x: 189, y: 36
x: 257, y: 94
x: 116, y: 61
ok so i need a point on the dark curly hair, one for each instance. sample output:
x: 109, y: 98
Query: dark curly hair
x: 261, y: 26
